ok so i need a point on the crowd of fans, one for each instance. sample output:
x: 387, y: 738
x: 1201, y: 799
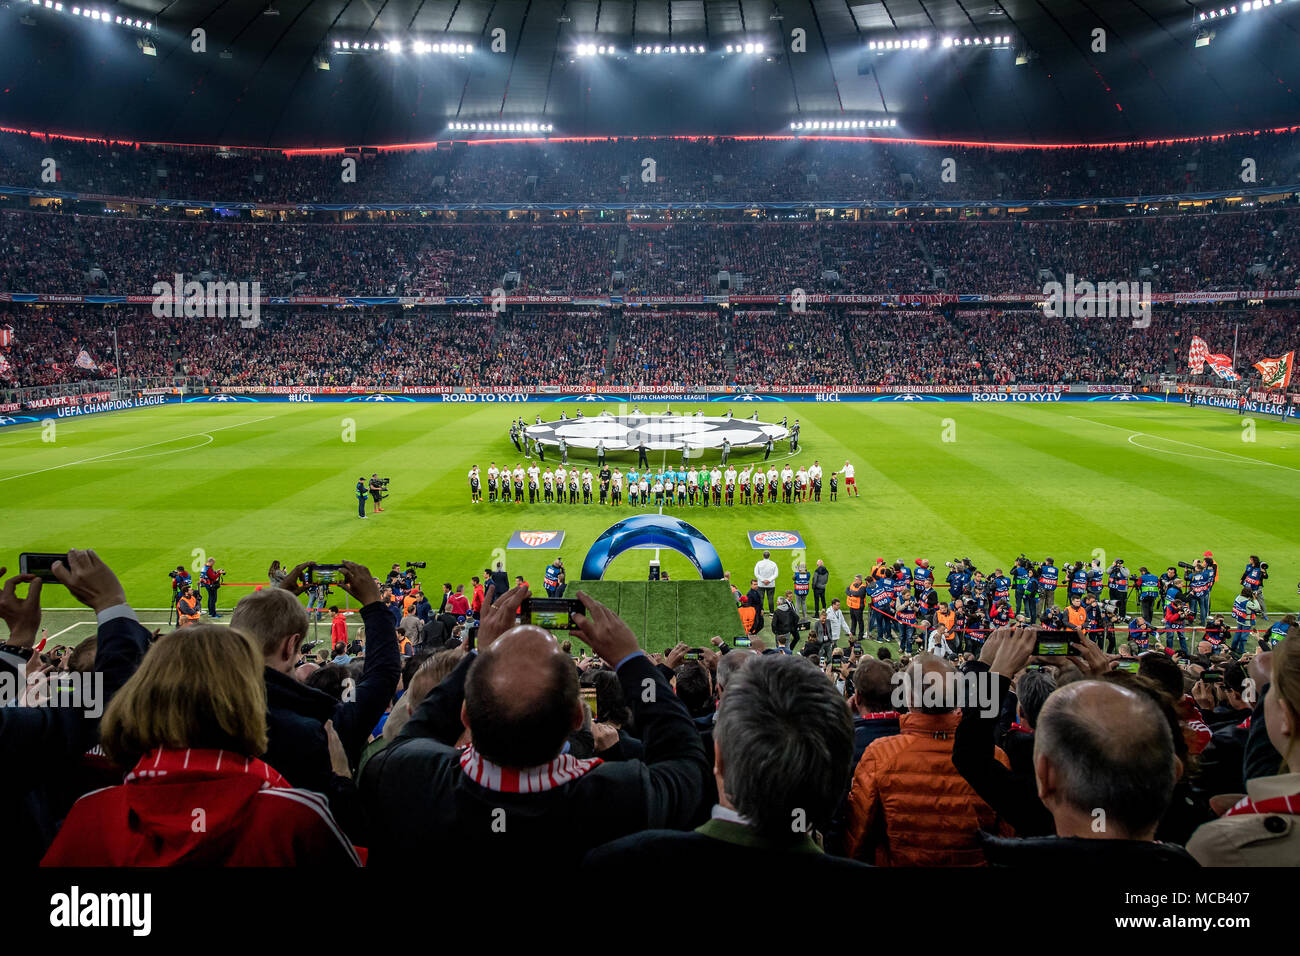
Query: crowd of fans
x: 686, y: 170
x: 52, y: 253
x: 393, y: 347
x: 468, y: 735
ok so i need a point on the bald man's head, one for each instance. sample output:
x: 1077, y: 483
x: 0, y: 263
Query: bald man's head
x: 521, y: 698
x: 1102, y: 746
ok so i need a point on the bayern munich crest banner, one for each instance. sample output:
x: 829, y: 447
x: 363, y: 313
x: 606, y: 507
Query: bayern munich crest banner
x: 775, y: 540
x: 536, y: 540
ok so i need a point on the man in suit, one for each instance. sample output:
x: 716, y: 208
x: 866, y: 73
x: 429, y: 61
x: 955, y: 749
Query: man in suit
x: 774, y: 788
x: 516, y: 799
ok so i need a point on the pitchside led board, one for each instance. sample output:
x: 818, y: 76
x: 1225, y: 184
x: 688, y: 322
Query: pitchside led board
x: 536, y: 540
x: 775, y: 540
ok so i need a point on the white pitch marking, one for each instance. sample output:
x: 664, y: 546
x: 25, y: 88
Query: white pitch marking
x: 68, y: 628
x: 1253, y: 461
x: 110, y: 454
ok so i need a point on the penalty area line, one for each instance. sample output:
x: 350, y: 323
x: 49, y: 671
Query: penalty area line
x: 114, y: 454
x: 1217, y: 451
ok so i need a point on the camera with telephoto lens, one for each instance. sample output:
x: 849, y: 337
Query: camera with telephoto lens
x: 416, y: 564
x: 1186, y: 566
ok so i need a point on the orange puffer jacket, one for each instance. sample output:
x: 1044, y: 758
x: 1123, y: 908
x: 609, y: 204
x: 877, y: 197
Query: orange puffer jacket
x: 908, y: 805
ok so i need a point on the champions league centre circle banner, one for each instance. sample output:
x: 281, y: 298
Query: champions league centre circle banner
x: 656, y: 432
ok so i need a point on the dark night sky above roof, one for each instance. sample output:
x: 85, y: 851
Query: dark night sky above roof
x: 68, y: 74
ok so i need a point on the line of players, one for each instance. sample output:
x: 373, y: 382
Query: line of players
x: 658, y: 488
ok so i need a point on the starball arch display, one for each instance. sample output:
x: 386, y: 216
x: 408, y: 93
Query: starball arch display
x: 658, y: 531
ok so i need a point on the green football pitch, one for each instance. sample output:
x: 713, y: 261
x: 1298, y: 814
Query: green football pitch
x: 248, y: 483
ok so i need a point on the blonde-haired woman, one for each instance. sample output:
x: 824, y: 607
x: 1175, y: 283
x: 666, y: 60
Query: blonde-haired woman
x: 1263, y: 828
x: 188, y: 727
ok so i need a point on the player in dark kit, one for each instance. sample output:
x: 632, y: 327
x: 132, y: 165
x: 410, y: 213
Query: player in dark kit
x: 475, y: 493
x: 604, y: 483
x: 835, y: 484
x: 731, y: 494
x: 492, y: 482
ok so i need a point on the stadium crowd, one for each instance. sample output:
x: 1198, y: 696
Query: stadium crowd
x: 74, y: 254
x: 391, y: 347
x: 697, y: 169
x: 467, y: 735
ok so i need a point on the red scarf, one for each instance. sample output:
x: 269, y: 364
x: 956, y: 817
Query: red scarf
x: 164, y: 761
x: 881, y: 715
x: 563, y: 769
x: 1289, y: 805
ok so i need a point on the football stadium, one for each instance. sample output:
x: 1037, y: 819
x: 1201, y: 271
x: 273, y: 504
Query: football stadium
x: 627, y: 440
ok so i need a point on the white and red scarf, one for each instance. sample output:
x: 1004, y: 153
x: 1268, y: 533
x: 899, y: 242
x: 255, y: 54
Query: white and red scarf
x: 164, y: 762
x: 1288, y: 805
x: 563, y: 769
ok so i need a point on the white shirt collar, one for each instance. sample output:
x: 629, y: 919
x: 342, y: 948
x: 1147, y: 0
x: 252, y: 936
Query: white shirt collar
x: 720, y: 812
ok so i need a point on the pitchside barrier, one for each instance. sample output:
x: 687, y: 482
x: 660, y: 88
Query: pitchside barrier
x: 1283, y: 407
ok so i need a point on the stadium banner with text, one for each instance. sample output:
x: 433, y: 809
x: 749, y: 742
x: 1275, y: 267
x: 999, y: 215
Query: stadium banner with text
x: 904, y: 300
x: 775, y: 540
x: 536, y: 540
x: 43, y: 409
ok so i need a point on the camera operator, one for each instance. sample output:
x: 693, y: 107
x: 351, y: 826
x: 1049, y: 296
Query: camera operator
x: 210, y: 579
x: 1179, y: 621
x: 1117, y: 580
x: 1112, y: 614
x: 377, y: 490
x: 1199, y: 581
x: 1049, y: 576
x: 1148, y: 591
x: 1244, y: 611
x: 180, y: 582
x: 1253, y: 578
x: 1022, y: 573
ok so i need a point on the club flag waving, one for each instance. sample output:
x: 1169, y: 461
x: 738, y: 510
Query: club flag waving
x: 1277, y: 372
x: 85, y: 361
x: 6, y: 336
x: 1222, y: 366
x: 4, y: 367
x: 1196, y: 355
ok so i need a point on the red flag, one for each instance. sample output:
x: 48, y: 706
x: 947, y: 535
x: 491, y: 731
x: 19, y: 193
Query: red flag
x: 1276, y: 373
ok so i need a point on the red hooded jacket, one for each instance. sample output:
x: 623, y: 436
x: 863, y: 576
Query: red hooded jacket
x: 201, y: 808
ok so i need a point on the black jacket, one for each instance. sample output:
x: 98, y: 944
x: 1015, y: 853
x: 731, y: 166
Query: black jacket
x: 423, y: 806
x: 296, y: 716
x: 1012, y: 795
x: 728, y: 861
x: 1077, y: 853
x: 785, y: 620
x: 43, y: 749
x: 821, y: 577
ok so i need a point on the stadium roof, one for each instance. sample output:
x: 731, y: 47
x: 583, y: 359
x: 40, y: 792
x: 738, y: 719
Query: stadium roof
x: 261, y: 82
